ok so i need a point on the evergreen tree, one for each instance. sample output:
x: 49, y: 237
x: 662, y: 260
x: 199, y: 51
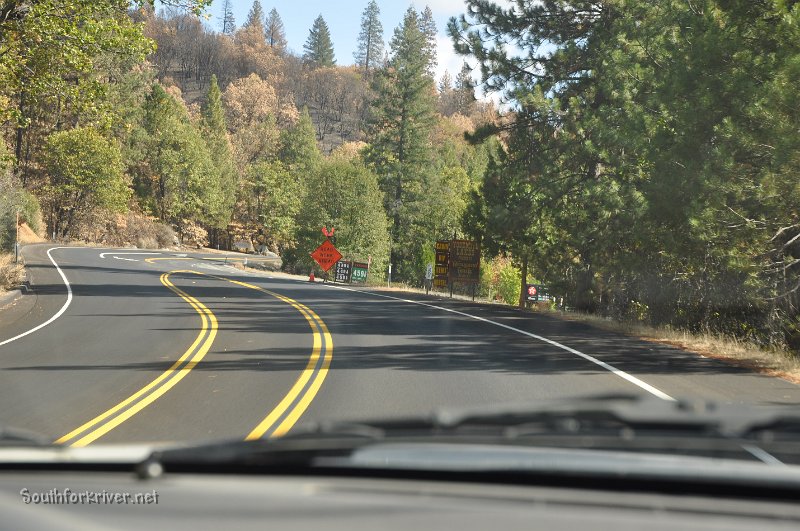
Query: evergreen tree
x: 228, y: 22
x: 212, y: 112
x: 178, y: 178
x: 370, y: 51
x: 645, y: 203
x: 272, y: 198
x: 464, y: 92
x: 428, y: 27
x: 446, y: 95
x: 402, y: 117
x: 274, y: 31
x: 256, y: 16
x: 215, y: 133
x: 299, y: 150
x: 318, y: 49
x: 446, y: 83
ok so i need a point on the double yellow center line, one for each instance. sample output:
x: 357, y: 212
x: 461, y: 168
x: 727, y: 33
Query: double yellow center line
x: 279, y: 421
x: 288, y: 411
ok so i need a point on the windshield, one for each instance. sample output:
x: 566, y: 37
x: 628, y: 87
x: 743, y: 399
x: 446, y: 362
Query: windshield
x: 232, y: 221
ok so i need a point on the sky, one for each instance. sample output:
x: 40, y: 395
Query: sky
x: 344, y: 20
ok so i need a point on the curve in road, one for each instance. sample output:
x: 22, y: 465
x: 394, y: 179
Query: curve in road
x: 279, y: 421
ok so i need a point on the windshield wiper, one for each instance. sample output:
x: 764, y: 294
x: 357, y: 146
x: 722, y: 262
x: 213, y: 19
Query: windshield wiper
x: 609, y: 422
x: 624, y: 443
x: 11, y: 436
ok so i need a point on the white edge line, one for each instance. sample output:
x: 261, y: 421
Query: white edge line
x: 103, y: 255
x: 622, y: 374
x: 59, y: 313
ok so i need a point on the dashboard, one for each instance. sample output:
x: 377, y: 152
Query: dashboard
x: 114, y: 500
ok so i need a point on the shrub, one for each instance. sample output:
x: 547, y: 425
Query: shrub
x: 508, y: 285
x: 146, y: 242
x: 165, y: 236
x: 11, y: 274
x: 13, y: 199
x: 193, y: 234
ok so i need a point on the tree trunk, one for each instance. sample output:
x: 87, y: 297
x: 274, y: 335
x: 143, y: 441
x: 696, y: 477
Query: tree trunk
x: 523, y: 282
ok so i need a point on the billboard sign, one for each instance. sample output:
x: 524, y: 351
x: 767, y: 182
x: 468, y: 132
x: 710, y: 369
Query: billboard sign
x: 360, y: 270
x: 465, y: 261
x: 342, y: 272
x: 441, y: 266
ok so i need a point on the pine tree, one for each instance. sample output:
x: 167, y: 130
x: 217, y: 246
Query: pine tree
x: 215, y: 133
x: 299, y: 150
x: 446, y: 83
x: 212, y: 112
x: 228, y: 22
x: 428, y: 27
x: 370, y: 41
x: 401, y: 123
x: 447, y: 106
x: 318, y: 50
x: 255, y: 16
x: 274, y: 31
x: 464, y: 92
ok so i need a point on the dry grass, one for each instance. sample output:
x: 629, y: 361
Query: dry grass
x: 773, y: 362
x: 11, y: 274
x: 26, y: 235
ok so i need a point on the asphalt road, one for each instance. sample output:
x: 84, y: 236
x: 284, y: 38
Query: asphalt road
x: 170, y: 347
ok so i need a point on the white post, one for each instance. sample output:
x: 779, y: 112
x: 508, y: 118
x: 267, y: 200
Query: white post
x: 16, y: 240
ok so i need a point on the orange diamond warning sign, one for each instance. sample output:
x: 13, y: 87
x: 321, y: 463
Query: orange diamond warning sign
x: 326, y: 255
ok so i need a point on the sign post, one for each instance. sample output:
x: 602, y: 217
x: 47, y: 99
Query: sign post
x: 16, y: 240
x: 428, y: 278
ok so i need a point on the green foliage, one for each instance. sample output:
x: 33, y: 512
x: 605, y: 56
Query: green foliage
x: 46, y: 44
x: 344, y: 195
x: 508, y: 283
x: 178, y: 178
x: 213, y: 114
x: 402, y: 119
x: 369, y: 54
x: 427, y: 26
x: 14, y: 199
x: 318, y: 49
x: 215, y: 133
x: 650, y: 167
x: 85, y: 172
x: 298, y: 146
x: 57, y: 62
x: 272, y: 200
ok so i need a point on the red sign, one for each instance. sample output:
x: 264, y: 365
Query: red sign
x: 532, y: 290
x: 326, y: 255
